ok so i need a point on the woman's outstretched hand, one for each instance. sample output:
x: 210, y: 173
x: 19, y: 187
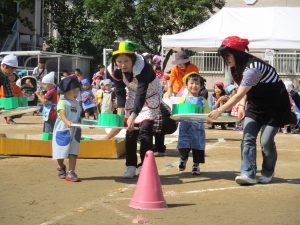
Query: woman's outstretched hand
x: 214, y: 114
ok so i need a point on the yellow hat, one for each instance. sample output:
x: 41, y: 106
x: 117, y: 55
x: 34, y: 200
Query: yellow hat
x: 187, y: 75
x: 128, y: 47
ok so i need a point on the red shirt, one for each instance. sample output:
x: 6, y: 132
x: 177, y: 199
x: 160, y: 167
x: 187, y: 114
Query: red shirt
x: 51, y: 96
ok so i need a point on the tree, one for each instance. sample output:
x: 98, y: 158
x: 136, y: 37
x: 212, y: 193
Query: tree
x: 70, y: 19
x: 145, y: 21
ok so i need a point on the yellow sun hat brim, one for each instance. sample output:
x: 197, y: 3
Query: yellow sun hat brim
x: 187, y: 75
x: 125, y: 47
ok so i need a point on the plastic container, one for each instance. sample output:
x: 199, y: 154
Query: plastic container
x: 9, y: 103
x: 23, y: 102
x: 86, y: 139
x: 46, y: 136
x: 186, y: 109
x: 13, y: 102
x: 111, y: 120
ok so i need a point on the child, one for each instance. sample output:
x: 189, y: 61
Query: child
x: 28, y: 90
x: 96, y: 85
x: 17, y: 92
x: 66, y: 139
x: 192, y: 134
x: 231, y: 90
x: 87, y: 100
x: 107, y: 100
x: 49, y: 101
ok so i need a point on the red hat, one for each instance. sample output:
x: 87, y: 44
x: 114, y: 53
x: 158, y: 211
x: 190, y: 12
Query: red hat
x: 219, y: 84
x: 236, y: 43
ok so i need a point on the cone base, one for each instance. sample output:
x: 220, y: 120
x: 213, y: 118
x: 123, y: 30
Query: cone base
x: 148, y: 205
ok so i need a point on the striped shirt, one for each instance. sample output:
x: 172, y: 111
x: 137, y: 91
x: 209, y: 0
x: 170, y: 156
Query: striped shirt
x: 258, y: 72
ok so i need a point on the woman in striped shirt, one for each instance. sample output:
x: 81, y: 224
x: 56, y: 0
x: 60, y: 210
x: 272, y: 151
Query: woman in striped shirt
x: 263, y: 102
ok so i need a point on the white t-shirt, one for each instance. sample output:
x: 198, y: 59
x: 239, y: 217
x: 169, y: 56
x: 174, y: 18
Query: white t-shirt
x: 37, y: 71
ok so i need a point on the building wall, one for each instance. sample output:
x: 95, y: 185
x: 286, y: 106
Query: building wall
x: 262, y: 3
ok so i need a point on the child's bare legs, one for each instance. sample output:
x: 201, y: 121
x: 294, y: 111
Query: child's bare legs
x: 61, y: 163
x: 61, y: 169
x: 72, y: 162
x: 71, y: 175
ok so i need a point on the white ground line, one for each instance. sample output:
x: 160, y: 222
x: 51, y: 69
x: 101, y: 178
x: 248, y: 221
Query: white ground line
x: 104, y: 202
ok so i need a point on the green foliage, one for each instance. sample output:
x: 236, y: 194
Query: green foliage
x: 73, y: 25
x: 145, y: 21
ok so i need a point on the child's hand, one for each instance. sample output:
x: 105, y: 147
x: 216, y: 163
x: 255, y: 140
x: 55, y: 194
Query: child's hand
x: 69, y: 124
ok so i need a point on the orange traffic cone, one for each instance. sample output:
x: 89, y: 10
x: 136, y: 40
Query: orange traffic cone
x: 148, y: 193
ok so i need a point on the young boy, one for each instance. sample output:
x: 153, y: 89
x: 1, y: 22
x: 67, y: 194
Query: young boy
x: 87, y: 99
x: 49, y: 101
x: 192, y: 134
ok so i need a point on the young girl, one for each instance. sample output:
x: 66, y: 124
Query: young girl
x: 267, y: 107
x: 87, y: 99
x: 66, y: 139
x: 192, y: 134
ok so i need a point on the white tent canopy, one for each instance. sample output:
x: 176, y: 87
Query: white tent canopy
x: 265, y: 27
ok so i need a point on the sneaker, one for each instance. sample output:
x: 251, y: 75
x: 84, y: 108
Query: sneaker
x: 61, y: 172
x: 159, y: 154
x: 182, y: 164
x: 244, y: 180
x: 195, y: 170
x: 129, y: 172
x: 264, y: 180
x: 72, y: 176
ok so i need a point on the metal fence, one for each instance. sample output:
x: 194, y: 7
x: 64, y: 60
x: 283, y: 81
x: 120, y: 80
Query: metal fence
x: 208, y: 62
x: 287, y: 63
x: 211, y: 63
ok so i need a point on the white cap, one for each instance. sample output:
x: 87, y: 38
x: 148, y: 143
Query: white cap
x: 145, y: 54
x: 107, y: 82
x: 48, y: 78
x: 10, y: 60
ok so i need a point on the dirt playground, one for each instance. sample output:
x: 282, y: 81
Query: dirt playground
x: 32, y: 194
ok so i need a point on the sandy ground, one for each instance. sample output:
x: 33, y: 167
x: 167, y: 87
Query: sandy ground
x: 31, y: 193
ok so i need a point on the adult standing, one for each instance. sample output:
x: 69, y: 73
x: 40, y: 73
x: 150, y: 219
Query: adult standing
x: 263, y: 101
x: 183, y: 67
x: 40, y: 71
x: 8, y: 65
x: 141, y: 105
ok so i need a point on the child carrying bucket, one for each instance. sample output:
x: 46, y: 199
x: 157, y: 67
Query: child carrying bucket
x: 66, y: 139
x: 192, y: 134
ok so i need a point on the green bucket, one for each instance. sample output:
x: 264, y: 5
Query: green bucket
x: 110, y: 120
x: 46, y: 136
x: 13, y: 102
x: 186, y: 109
x: 9, y: 103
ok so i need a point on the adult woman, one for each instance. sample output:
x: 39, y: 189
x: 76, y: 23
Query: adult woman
x: 141, y: 105
x: 217, y: 99
x: 183, y: 67
x: 263, y: 101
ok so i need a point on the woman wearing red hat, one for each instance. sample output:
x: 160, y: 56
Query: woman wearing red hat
x: 263, y: 103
